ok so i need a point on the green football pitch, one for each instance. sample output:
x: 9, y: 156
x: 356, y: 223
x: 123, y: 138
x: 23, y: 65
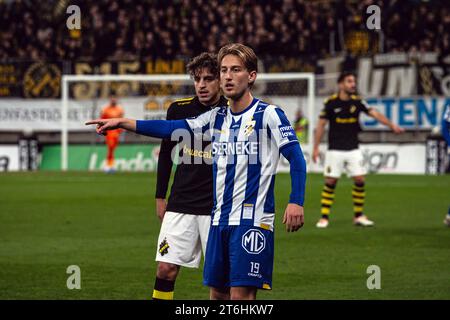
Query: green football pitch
x: 106, y: 225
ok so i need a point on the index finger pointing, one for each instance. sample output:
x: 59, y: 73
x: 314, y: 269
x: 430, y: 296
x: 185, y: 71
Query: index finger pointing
x: 93, y: 122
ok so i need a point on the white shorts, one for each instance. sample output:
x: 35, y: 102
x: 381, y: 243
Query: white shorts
x: 182, y: 238
x: 351, y: 162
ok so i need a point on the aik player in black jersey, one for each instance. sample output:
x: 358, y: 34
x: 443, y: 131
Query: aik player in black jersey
x: 186, y: 217
x: 342, y: 111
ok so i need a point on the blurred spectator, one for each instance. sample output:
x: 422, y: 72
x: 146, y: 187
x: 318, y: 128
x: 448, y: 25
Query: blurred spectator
x: 127, y: 29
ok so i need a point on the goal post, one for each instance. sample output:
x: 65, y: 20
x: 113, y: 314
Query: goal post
x: 281, y: 78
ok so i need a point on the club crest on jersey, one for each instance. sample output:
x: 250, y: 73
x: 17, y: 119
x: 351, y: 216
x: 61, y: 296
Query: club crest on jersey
x: 253, y: 241
x: 286, y: 131
x: 248, y: 129
x: 352, y: 109
x: 164, y: 247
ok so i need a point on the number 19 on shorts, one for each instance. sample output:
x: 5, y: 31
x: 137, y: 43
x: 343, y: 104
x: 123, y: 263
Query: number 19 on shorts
x: 254, y: 267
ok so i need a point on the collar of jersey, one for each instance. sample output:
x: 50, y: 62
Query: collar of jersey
x: 254, y: 101
x: 217, y: 104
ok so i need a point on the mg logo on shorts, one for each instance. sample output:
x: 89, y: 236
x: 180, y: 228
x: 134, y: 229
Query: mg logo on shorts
x: 253, y: 241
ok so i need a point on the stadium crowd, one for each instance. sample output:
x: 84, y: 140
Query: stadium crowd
x: 128, y: 29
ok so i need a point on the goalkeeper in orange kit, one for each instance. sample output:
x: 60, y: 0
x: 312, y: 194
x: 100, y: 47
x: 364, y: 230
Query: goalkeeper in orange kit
x: 113, y: 110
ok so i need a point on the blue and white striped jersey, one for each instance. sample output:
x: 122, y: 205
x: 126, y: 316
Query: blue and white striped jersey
x: 246, y: 150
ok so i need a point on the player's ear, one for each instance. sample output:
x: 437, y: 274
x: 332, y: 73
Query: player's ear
x: 251, y: 77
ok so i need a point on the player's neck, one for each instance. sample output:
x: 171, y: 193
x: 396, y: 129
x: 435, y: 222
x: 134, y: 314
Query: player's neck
x: 212, y: 103
x: 241, y: 103
x: 344, y: 95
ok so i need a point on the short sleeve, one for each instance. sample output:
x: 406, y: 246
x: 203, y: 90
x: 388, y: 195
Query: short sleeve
x: 364, y: 106
x: 171, y: 112
x: 324, y: 113
x: 281, y: 130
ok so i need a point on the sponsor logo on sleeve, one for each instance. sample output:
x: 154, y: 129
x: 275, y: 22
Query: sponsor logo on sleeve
x: 286, y: 131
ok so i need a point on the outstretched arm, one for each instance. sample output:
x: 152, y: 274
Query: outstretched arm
x: 294, y: 215
x: 104, y: 125
x: 152, y: 128
x: 382, y: 119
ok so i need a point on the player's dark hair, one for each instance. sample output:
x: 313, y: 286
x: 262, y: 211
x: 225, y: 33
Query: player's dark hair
x: 204, y: 60
x: 344, y: 75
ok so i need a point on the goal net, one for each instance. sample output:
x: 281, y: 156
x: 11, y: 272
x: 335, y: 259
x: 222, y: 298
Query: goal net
x: 149, y: 96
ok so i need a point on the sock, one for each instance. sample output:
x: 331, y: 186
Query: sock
x: 327, y: 199
x: 110, y: 157
x: 163, y: 289
x: 358, y: 195
x: 110, y: 163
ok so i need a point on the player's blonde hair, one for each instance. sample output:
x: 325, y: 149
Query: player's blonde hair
x: 243, y: 52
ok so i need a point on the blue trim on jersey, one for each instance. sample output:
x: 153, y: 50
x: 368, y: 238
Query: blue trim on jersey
x: 227, y: 203
x: 253, y: 170
x: 246, y: 109
x: 269, y: 204
x: 217, y: 127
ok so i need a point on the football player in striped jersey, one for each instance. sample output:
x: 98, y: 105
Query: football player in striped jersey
x: 247, y: 137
